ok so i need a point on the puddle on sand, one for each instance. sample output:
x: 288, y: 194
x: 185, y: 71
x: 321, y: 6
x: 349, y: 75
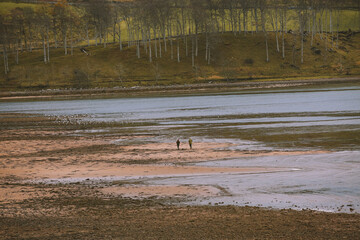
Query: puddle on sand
x: 323, y: 182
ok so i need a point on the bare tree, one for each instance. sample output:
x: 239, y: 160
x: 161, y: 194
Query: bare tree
x: 61, y: 9
x: 4, y: 41
x: 263, y: 10
x: 302, y: 15
x: 43, y: 25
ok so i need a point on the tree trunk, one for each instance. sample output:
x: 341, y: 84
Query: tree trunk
x: 138, y: 44
x: 150, y: 56
x: 206, y: 44
x: 144, y: 40
x: 325, y: 34
x: 20, y: 38
x: 71, y: 40
x: 192, y: 52
x: 223, y: 29
x: 331, y: 32
x: 313, y: 27
x: 178, y: 48
x: 6, y: 66
x: 337, y: 28
x: 155, y: 43
x: 285, y: 19
x: 25, y: 39
x: 55, y: 33
x: 44, y: 48
x: 105, y: 38
x: 239, y: 20
x: 321, y: 25
x: 302, y: 47
x: 138, y: 48
x: 267, y: 48
x: 164, y: 40
x: 30, y: 40
x: 114, y: 31
x: 277, y: 31
x: 209, y: 57
x: 160, y: 53
x: 129, y: 34
x: 120, y: 43
x: 283, y: 35
x: 65, y: 43
x: 48, y: 44
x: 244, y: 21
x: 263, y: 26
x: 87, y: 34
x: 100, y: 36
x: 256, y: 20
x: 171, y: 49
x: 301, y: 30
x: 294, y: 49
x: 95, y: 36
x: 17, y: 52
x: 196, y: 42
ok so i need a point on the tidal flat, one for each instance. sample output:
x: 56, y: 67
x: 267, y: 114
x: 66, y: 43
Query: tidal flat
x: 273, y: 163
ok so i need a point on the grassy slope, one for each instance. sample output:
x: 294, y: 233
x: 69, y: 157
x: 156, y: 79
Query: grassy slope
x: 110, y: 67
x: 6, y: 7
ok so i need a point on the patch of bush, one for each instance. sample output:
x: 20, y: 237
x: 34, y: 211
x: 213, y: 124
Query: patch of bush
x: 316, y: 50
x: 80, y: 79
x: 249, y: 61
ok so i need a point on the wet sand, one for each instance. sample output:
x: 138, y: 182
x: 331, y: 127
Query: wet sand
x: 97, y: 190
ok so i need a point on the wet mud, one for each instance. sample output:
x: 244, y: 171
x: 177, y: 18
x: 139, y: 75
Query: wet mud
x: 67, y: 177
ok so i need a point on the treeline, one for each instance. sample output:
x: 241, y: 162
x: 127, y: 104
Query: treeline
x: 157, y: 26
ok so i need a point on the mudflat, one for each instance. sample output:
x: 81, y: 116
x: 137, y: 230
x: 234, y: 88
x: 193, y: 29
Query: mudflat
x: 55, y: 183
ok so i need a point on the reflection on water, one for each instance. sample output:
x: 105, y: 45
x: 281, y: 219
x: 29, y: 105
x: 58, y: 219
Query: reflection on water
x: 320, y: 118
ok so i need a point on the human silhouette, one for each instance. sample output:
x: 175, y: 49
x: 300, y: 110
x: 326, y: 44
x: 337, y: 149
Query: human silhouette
x: 178, y: 144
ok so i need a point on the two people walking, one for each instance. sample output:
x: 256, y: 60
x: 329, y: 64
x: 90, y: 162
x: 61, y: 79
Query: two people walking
x: 178, y: 143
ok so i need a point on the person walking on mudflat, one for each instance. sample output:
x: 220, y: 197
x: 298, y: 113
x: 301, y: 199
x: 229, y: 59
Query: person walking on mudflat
x: 190, y: 143
x: 178, y: 144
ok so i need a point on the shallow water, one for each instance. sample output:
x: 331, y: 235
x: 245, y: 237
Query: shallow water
x: 312, y: 118
x: 327, y: 182
x: 219, y: 105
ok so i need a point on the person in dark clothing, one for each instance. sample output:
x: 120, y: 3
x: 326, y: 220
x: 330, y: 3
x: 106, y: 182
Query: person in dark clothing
x: 178, y: 144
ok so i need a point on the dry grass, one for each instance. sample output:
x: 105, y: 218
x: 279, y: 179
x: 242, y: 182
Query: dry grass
x: 110, y: 67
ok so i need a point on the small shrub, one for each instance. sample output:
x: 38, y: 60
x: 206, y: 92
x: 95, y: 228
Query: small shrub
x: 80, y: 79
x: 249, y: 61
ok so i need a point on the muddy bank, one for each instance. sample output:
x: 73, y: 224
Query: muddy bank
x: 129, y: 219
x: 173, y: 89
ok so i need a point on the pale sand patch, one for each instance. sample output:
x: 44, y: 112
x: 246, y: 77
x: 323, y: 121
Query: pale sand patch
x: 161, y: 191
x: 25, y: 97
x: 202, y: 151
x: 99, y: 171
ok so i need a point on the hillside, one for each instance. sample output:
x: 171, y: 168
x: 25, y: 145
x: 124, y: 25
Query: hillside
x: 233, y: 58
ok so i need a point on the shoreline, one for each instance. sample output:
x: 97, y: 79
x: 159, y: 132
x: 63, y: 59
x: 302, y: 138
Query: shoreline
x: 174, y: 89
